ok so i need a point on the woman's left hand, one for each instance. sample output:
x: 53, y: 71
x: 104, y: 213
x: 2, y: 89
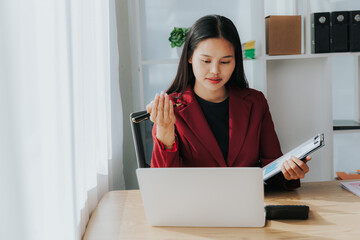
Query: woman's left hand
x: 294, y: 168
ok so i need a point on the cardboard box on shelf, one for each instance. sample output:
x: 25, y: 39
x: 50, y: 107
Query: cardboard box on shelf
x: 283, y: 34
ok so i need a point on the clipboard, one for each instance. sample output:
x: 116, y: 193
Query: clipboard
x: 300, y: 152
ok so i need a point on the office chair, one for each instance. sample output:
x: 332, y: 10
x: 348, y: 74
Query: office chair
x: 141, y: 131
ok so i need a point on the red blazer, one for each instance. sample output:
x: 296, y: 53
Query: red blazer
x: 252, y: 138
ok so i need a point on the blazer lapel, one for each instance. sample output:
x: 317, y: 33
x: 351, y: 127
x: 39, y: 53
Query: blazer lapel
x: 239, y: 116
x: 196, y: 121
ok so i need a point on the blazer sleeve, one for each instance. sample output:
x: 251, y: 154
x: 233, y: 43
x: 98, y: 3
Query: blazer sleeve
x: 162, y: 157
x: 270, y: 150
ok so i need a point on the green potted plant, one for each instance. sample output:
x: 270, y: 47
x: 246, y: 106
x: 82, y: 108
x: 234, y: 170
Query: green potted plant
x: 177, y: 38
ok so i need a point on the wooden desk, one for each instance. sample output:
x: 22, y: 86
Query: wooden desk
x: 334, y: 214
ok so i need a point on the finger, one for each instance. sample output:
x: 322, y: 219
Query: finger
x: 166, y: 108
x: 297, y: 161
x: 306, y: 159
x: 149, y: 106
x: 290, y: 170
x: 154, y: 110
x: 296, y: 169
x: 161, y: 106
x: 285, y: 173
x: 171, y: 111
x: 301, y: 164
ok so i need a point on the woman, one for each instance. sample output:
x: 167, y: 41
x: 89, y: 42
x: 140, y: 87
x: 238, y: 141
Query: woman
x: 209, y: 117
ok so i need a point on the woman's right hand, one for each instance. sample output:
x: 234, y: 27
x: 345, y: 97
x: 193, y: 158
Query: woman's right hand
x: 161, y: 111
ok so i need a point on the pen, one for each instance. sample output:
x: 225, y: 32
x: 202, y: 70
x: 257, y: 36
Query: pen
x: 145, y: 116
x: 140, y: 118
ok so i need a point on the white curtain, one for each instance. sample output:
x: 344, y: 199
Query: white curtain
x: 59, y: 93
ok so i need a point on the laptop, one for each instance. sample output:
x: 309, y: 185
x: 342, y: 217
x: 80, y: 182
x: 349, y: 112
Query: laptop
x: 203, y: 197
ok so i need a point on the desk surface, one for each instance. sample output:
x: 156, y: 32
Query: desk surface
x: 334, y: 214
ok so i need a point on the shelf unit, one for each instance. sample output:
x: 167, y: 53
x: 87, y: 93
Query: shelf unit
x: 346, y: 125
x: 302, y: 90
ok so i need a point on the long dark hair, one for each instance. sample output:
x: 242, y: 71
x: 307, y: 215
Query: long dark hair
x: 210, y: 26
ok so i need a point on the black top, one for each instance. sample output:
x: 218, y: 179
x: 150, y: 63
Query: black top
x: 217, y: 116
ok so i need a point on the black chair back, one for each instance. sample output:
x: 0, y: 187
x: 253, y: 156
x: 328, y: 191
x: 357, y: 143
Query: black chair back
x: 143, y: 143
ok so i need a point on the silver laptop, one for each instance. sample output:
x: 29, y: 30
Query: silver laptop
x: 203, y: 197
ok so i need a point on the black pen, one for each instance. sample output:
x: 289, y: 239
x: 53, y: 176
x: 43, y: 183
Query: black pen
x: 145, y: 116
x: 140, y: 118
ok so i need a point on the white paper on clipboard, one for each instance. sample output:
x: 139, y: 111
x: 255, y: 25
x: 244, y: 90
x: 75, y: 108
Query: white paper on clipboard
x: 300, y: 152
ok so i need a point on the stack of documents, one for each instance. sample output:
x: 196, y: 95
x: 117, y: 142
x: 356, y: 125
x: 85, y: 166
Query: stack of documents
x: 249, y: 49
x: 353, y: 187
x: 348, y: 176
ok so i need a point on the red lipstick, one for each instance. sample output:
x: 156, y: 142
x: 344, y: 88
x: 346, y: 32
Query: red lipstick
x: 214, y: 80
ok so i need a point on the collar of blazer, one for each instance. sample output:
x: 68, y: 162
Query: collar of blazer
x: 239, y: 114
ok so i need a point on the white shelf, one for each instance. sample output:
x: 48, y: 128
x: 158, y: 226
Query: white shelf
x: 314, y: 55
